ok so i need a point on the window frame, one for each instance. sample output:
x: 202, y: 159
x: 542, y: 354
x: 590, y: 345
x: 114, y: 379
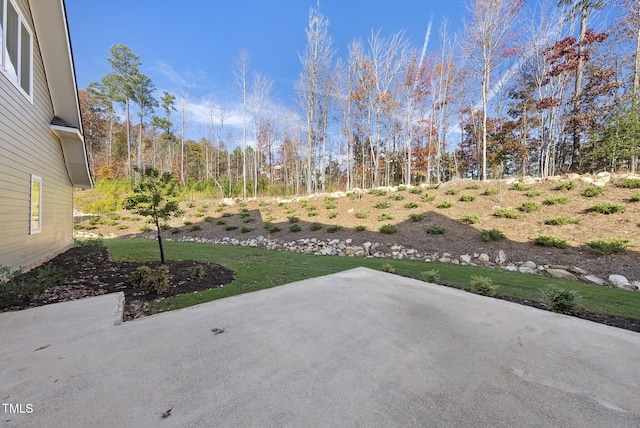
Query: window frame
x: 22, y: 25
x: 33, y: 230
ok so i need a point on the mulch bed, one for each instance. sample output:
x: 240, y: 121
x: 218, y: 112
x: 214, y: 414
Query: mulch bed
x: 84, y: 272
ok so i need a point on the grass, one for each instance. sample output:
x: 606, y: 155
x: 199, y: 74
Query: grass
x: 258, y: 269
x: 565, y: 187
x: 635, y: 197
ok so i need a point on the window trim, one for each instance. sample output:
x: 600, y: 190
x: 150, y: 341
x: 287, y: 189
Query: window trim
x: 3, y: 51
x: 34, y: 230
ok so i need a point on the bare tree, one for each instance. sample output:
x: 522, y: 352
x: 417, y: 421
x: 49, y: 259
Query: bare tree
x: 389, y: 56
x: 260, y: 98
x: 240, y: 71
x: 183, y: 128
x: 316, y: 63
x: 487, y: 34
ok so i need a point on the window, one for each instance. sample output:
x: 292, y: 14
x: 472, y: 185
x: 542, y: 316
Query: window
x: 35, y: 223
x: 16, y: 43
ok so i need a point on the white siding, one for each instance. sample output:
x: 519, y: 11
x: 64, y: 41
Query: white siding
x: 28, y: 146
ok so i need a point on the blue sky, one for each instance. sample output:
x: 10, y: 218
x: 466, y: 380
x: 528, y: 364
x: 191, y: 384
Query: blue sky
x: 190, y: 46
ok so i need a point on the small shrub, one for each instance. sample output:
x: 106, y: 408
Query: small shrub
x: 220, y: 222
x: 529, y: 207
x: 160, y: 282
x: 411, y: 205
x: 362, y: 214
x: 402, y: 188
x: 269, y: 218
x: 293, y: 219
x: 141, y: 277
x: 333, y: 228
x: 78, y: 226
x: 272, y: 228
x: 467, y: 198
x: 565, y: 187
x: 472, y: 187
x: 226, y: 214
x: 246, y: 229
x: 432, y: 275
x: 92, y: 227
x: 561, y: 221
x: 560, y: 300
x: 295, y: 227
x: 416, y: 217
x: 388, y: 268
x: 330, y: 205
x: 190, y: 205
x: 187, y: 222
x: 470, y: 219
x: 312, y: 213
x: 382, y: 205
x: 113, y: 216
x: 444, y: 204
x: 518, y: 186
x: 208, y: 219
x: 607, y: 208
x: 532, y: 193
x: 333, y: 214
x: 385, y: 216
x: 635, y: 197
x: 389, y: 229
x: 122, y: 227
x: 590, y: 192
x: 427, y: 198
x: 360, y: 227
x: 248, y: 219
x: 143, y: 229
x: 377, y: 192
x: 194, y: 228
x: 230, y: 227
x: 505, y: 213
x: 315, y: 226
x: 483, y: 285
x: 396, y: 197
x: 609, y: 245
x: 491, y: 235
x: 490, y: 191
x: 435, y: 230
x: 197, y: 272
x: 416, y: 191
x: 556, y: 201
x: 550, y: 241
x: 199, y: 215
x: 451, y: 192
x: 629, y: 183
x: 174, y: 230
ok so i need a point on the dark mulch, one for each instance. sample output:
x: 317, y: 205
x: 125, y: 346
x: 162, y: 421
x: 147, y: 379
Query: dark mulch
x: 90, y: 271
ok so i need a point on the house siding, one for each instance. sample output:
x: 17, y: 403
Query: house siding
x: 28, y: 146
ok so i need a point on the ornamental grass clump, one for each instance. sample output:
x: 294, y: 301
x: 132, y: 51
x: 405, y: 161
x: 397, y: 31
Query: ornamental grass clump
x: 560, y: 300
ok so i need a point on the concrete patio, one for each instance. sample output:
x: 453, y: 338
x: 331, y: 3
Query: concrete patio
x: 357, y: 348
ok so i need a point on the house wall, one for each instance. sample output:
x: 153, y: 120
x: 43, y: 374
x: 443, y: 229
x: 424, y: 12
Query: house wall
x: 28, y: 146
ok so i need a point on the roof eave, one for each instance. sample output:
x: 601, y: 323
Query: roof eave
x: 75, y: 155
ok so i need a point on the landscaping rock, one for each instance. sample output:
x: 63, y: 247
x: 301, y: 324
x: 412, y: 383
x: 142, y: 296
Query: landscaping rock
x: 484, y: 258
x: 529, y: 265
x: 465, y: 258
x: 502, y: 258
x: 620, y: 281
x: 561, y: 273
x: 594, y: 280
x: 525, y: 269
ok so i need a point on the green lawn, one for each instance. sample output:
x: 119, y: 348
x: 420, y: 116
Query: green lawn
x: 258, y: 269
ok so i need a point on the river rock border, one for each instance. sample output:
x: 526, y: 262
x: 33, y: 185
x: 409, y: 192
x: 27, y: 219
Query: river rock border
x: 346, y: 248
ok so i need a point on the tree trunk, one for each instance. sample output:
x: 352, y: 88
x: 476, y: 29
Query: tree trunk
x: 160, y: 242
x: 577, y: 93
